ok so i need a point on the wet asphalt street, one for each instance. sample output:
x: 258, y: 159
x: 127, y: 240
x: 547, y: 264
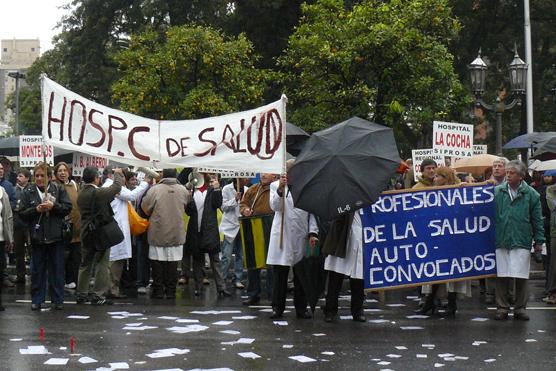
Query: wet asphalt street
x: 220, y: 333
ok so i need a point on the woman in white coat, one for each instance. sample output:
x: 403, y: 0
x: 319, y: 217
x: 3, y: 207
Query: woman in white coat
x: 344, y: 246
x: 300, y: 228
x: 122, y: 251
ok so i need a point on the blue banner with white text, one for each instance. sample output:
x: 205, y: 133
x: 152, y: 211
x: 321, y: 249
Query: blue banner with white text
x: 429, y: 235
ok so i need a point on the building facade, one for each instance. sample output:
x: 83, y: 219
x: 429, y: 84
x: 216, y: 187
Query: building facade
x: 15, y: 55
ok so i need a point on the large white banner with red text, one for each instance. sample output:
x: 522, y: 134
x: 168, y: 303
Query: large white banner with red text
x: 252, y: 140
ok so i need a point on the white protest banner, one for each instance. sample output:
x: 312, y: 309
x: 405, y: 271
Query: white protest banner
x: 452, y: 139
x: 227, y: 173
x: 480, y: 149
x: 418, y: 155
x: 252, y: 140
x: 81, y: 161
x: 32, y: 151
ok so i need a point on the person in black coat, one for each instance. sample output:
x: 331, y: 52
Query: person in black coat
x: 44, y: 206
x: 203, y: 236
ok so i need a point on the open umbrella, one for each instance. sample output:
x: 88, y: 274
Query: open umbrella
x: 546, y: 150
x: 546, y: 165
x: 528, y: 140
x: 476, y: 164
x: 295, y: 138
x: 9, y: 146
x: 343, y: 168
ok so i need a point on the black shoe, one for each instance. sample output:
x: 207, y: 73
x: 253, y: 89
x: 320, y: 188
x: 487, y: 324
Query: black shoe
x: 2, y: 308
x: 328, y: 318
x: 97, y: 300
x: 428, y: 306
x: 35, y: 307
x: 81, y: 299
x: 224, y: 293
x: 304, y: 315
x: 521, y: 316
x: 58, y: 306
x: 7, y: 283
x: 501, y: 316
x: 359, y: 318
x: 275, y: 315
x: 251, y: 301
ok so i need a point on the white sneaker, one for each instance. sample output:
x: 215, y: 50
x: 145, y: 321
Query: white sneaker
x: 142, y: 290
x: 239, y: 285
x: 70, y: 285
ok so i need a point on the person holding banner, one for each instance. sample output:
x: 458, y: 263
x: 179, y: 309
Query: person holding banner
x: 428, y: 169
x: 44, y: 205
x: 202, y: 232
x: 231, y: 196
x: 72, y: 248
x: 287, y: 246
x: 256, y: 201
x: 518, y: 223
x: 344, y: 247
x: 122, y: 251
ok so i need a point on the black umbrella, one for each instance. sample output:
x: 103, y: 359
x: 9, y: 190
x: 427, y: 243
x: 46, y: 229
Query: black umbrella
x: 546, y: 150
x: 9, y: 146
x: 311, y: 275
x: 528, y: 140
x: 295, y: 138
x: 343, y: 168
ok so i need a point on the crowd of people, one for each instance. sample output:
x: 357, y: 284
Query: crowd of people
x: 54, y: 220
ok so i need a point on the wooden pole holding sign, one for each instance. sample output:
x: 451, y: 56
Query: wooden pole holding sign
x: 284, y: 171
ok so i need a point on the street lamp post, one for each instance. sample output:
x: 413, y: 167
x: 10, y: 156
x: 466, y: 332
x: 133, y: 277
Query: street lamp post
x: 518, y: 80
x: 16, y: 75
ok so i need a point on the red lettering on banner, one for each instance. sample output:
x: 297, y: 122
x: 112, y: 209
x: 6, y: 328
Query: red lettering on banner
x: 180, y: 147
x: 238, y: 148
x: 112, y: 127
x: 439, y: 139
x: 228, y: 142
x: 259, y: 133
x: 98, y: 127
x: 52, y: 119
x: 131, y: 142
x: 212, y: 149
x: 83, y: 122
x: 277, y: 134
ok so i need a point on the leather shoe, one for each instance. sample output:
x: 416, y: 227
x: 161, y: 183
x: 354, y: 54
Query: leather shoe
x: 251, y: 301
x: 224, y: 293
x: 58, y: 306
x: 275, y: 315
x: 359, y: 318
x: 328, y: 318
x: 521, y: 316
x: 8, y: 283
x: 304, y: 315
x: 501, y: 316
x: 35, y: 307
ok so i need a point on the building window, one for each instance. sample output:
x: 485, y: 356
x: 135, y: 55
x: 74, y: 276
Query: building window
x: 32, y: 49
x: 5, y: 50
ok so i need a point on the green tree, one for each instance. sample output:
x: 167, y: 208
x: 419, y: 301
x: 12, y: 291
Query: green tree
x: 188, y: 72
x: 383, y: 60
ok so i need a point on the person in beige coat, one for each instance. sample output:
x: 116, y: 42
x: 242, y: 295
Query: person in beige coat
x: 165, y: 203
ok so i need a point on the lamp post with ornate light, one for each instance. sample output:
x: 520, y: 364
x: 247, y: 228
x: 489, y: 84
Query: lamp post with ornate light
x: 518, y: 79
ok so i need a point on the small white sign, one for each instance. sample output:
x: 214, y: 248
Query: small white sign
x: 480, y: 149
x: 81, y: 161
x: 418, y: 155
x: 227, y: 173
x: 452, y: 139
x: 32, y: 150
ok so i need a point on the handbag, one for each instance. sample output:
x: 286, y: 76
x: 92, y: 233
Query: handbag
x: 137, y: 224
x: 105, y: 233
x: 67, y: 230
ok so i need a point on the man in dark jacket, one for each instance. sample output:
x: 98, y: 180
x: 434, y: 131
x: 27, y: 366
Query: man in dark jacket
x: 202, y: 232
x: 21, y: 230
x: 94, y: 202
x: 9, y: 188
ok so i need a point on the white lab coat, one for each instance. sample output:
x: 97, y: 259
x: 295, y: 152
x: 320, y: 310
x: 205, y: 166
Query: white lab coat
x: 119, y: 206
x: 352, y: 264
x: 297, y: 226
x: 229, y: 226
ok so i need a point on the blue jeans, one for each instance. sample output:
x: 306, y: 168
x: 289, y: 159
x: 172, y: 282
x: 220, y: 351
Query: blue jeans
x: 47, y: 258
x: 226, y: 260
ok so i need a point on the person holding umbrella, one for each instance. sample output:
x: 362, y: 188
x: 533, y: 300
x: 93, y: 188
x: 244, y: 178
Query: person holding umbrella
x: 292, y: 229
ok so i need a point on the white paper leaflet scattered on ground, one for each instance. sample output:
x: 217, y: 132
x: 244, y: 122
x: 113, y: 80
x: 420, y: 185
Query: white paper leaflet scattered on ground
x: 34, y: 349
x: 250, y: 355
x: 302, y: 359
x: 57, y: 361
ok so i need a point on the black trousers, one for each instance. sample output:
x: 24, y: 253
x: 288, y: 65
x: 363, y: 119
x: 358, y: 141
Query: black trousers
x: 335, y: 286
x: 72, y: 258
x: 3, y: 254
x: 280, y: 290
x: 21, y: 238
x: 165, y: 278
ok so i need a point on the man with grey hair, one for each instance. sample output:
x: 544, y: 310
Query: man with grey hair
x: 518, y: 223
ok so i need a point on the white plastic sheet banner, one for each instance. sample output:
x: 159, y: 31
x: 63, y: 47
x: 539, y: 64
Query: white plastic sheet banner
x: 452, y: 139
x: 81, y: 161
x: 252, y: 140
x: 32, y: 150
x: 418, y: 155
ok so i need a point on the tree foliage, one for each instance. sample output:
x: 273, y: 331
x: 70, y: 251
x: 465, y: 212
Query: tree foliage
x: 384, y: 60
x: 188, y: 72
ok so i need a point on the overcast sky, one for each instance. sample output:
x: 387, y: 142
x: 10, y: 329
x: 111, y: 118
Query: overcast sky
x: 31, y: 19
